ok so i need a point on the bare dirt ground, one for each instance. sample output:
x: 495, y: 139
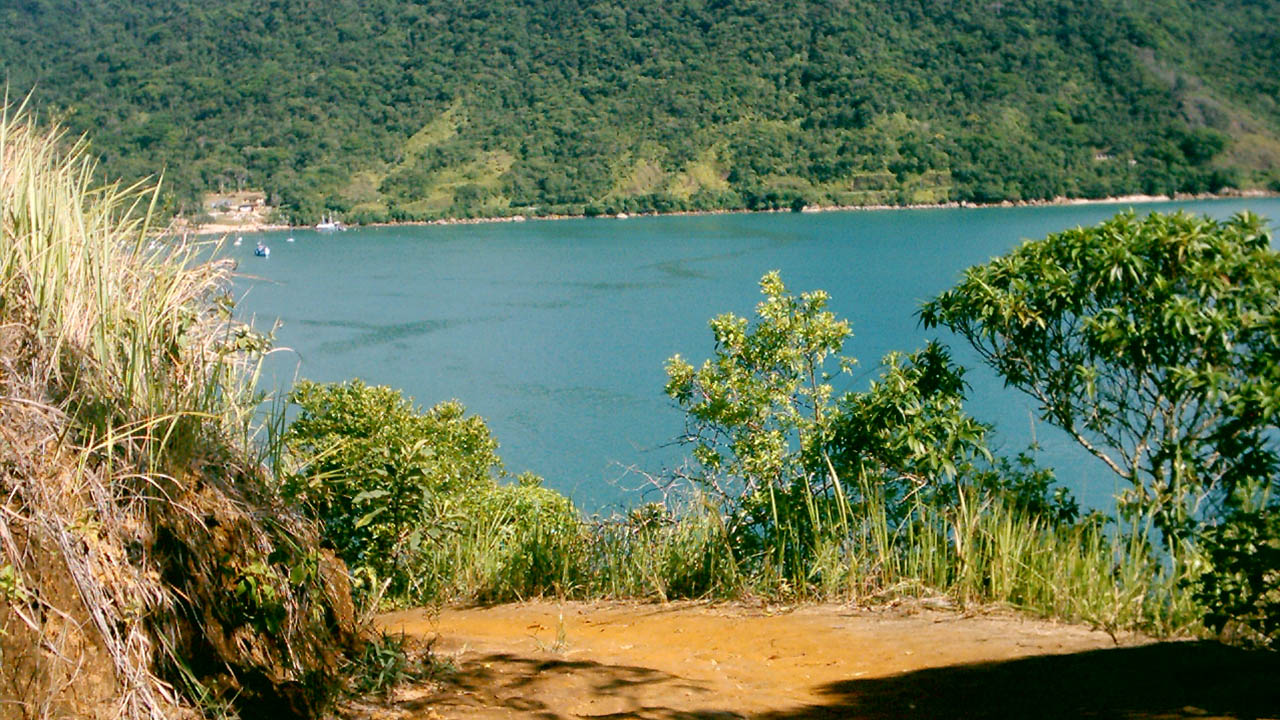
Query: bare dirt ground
x: 688, y: 661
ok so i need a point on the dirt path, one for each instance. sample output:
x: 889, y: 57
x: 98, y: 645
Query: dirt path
x: 691, y: 661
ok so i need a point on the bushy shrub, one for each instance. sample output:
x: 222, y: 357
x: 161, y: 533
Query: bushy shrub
x: 538, y: 537
x: 908, y: 432
x: 1242, y: 591
x: 371, y: 468
x: 412, y: 500
x: 656, y: 550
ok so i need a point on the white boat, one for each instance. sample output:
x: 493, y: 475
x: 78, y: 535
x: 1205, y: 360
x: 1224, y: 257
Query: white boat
x: 289, y: 240
x: 238, y: 241
x: 328, y: 224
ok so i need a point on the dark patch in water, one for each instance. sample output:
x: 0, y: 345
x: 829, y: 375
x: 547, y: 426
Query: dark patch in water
x: 375, y: 335
x: 680, y: 268
x: 348, y: 324
x: 543, y: 305
x: 593, y: 396
x: 613, y: 286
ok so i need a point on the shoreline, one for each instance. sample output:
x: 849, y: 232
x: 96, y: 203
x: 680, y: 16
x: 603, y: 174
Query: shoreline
x: 228, y: 229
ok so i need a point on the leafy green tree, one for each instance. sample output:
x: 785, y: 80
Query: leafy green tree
x: 760, y: 412
x: 1154, y: 342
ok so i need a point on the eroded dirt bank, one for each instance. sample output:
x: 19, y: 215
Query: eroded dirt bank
x: 693, y: 661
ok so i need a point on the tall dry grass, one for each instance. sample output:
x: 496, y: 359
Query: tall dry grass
x: 146, y: 568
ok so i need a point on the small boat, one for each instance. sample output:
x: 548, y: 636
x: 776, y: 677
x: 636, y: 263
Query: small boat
x: 289, y: 240
x: 262, y: 251
x: 328, y: 224
x: 238, y: 241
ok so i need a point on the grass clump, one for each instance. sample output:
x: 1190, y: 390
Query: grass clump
x: 997, y: 555
x: 148, y: 567
x: 655, y: 551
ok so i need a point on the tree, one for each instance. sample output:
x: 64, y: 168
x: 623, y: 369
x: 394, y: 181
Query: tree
x: 785, y: 459
x: 1154, y: 342
x: 759, y: 415
x: 760, y: 412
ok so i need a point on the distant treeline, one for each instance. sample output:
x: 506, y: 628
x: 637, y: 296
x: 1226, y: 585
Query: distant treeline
x: 389, y: 109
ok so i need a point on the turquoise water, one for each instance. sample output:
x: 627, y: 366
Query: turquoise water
x: 556, y: 331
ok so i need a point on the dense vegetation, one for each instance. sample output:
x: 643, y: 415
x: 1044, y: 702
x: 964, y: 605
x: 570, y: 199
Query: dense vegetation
x: 390, y: 109
x: 1154, y: 342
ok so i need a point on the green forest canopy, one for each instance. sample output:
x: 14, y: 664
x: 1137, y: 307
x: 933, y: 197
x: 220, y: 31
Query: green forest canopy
x: 390, y: 109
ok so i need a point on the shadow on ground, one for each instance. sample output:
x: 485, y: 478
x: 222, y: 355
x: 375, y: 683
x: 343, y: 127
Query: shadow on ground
x: 507, y: 685
x: 1166, y: 680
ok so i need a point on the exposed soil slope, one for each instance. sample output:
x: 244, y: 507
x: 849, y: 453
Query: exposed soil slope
x: 575, y: 660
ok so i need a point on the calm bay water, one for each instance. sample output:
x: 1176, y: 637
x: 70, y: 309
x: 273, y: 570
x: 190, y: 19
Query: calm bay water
x: 556, y: 332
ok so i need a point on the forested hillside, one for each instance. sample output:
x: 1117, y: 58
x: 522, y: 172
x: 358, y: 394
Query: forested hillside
x: 390, y: 109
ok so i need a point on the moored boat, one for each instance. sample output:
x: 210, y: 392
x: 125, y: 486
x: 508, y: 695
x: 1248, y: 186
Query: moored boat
x: 328, y: 224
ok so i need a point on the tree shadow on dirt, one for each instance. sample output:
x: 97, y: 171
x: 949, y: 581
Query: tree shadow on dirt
x: 551, y: 689
x: 1166, y: 680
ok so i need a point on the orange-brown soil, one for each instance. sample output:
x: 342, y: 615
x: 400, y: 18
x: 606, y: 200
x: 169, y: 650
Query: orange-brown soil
x: 687, y: 661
